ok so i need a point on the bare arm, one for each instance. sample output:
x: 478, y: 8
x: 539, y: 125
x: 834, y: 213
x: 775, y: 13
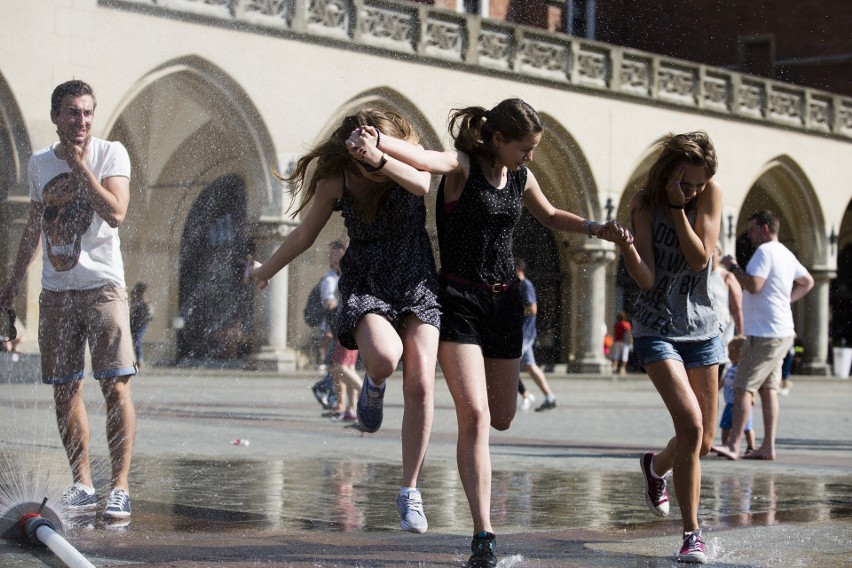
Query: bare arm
x: 639, y: 254
x: 363, y: 146
x: 749, y: 283
x: 697, y: 243
x: 446, y: 162
x: 557, y: 219
x: 109, y: 197
x: 328, y: 191
x: 801, y: 286
x: 735, y: 302
x: 26, y: 252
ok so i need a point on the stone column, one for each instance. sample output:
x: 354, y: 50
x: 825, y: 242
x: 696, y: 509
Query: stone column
x: 813, y: 313
x: 587, y: 309
x: 270, y: 305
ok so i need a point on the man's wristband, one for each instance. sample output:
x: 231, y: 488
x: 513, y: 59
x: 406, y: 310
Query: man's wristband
x: 588, y: 226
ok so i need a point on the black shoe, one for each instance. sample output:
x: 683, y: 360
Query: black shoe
x: 547, y: 405
x: 482, y: 548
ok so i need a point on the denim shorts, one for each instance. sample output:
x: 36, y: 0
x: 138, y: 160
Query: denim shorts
x: 691, y: 353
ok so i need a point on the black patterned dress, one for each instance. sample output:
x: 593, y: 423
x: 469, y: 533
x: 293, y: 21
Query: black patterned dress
x: 388, y: 268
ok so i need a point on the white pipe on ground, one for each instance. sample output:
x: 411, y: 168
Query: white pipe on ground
x: 41, y: 529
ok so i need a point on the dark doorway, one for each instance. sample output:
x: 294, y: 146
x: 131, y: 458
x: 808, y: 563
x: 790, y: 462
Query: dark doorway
x: 534, y: 243
x: 215, y: 303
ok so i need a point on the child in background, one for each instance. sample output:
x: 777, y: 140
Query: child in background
x: 734, y: 348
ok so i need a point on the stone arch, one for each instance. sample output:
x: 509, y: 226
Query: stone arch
x: 560, y: 264
x: 15, y: 150
x: 783, y: 187
x: 185, y: 124
x: 840, y: 295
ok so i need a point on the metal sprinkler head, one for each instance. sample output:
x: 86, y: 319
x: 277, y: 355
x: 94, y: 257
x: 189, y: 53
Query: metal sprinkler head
x: 29, y: 525
x: 13, y: 521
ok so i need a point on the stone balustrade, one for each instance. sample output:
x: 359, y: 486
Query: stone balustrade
x: 427, y: 34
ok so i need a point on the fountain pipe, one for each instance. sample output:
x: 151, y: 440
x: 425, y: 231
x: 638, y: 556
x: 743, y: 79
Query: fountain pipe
x: 41, y: 531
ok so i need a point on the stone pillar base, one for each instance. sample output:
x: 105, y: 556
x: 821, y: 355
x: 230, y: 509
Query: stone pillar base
x: 269, y: 359
x: 816, y: 369
x: 589, y: 367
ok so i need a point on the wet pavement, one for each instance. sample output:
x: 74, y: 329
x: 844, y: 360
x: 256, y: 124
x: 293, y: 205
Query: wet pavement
x: 307, y: 492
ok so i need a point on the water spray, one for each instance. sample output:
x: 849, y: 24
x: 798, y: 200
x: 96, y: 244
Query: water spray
x: 42, y: 526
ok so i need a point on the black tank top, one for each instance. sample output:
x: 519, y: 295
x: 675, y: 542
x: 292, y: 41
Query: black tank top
x: 475, y: 239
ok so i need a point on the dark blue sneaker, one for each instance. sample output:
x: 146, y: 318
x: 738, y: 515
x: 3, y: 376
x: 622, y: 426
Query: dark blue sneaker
x: 79, y: 496
x: 482, y: 549
x: 118, y: 505
x: 371, y: 406
x: 323, y: 390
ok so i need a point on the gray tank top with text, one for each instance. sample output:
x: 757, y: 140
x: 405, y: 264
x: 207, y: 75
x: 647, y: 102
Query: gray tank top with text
x: 680, y: 307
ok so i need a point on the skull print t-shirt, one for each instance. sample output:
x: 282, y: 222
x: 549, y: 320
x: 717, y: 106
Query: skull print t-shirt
x: 81, y: 251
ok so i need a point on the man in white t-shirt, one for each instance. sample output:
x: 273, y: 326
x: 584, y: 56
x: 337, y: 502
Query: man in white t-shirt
x: 773, y: 280
x: 79, y: 194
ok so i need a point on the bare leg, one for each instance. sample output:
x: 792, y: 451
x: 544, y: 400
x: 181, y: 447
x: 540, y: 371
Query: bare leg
x: 751, y: 441
x: 691, y: 397
x: 380, y: 347
x: 464, y: 371
x: 419, y: 358
x: 743, y: 400
x: 769, y: 404
x: 120, y: 427
x: 538, y: 376
x: 74, y: 429
x: 484, y: 392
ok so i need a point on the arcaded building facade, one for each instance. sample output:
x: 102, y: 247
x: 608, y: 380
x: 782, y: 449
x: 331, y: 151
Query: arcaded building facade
x: 211, y: 96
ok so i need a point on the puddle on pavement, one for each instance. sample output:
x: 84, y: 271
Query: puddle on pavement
x: 188, y: 495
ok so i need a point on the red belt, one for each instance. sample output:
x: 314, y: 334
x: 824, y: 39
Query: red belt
x: 493, y: 288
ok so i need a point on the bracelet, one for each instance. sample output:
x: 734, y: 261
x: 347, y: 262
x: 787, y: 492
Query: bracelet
x: 378, y: 138
x: 382, y: 162
x: 588, y: 226
x: 677, y: 206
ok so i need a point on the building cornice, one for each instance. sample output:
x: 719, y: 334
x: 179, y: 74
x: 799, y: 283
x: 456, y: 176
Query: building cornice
x: 400, y: 29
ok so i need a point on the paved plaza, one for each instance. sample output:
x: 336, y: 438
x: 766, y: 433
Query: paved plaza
x: 307, y: 492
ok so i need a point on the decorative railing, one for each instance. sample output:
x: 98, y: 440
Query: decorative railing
x: 444, y: 37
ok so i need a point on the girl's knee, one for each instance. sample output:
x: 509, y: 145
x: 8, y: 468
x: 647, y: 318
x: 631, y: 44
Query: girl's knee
x: 381, y: 368
x: 502, y: 421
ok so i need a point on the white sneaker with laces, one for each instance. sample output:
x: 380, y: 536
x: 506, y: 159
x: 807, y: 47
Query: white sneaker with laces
x: 411, y: 515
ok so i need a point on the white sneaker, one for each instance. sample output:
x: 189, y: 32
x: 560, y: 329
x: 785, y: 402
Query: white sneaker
x: 528, y: 402
x: 411, y: 515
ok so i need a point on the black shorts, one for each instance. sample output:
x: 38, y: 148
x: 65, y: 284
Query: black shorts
x: 495, y: 322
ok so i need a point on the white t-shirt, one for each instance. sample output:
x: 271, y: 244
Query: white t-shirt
x: 328, y: 291
x: 81, y: 251
x: 768, y: 313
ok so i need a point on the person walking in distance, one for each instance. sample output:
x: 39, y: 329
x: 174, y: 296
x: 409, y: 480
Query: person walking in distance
x: 676, y: 219
x: 388, y: 285
x: 527, y: 355
x: 728, y: 295
x: 79, y: 195
x: 325, y: 390
x: 486, y: 184
x: 140, y: 317
x: 772, y: 280
x: 622, y: 333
